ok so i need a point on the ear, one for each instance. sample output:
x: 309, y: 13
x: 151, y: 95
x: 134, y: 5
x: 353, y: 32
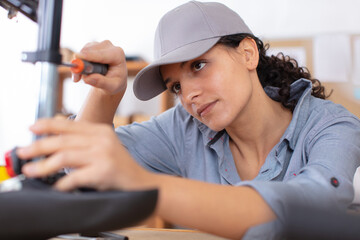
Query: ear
x: 248, y: 48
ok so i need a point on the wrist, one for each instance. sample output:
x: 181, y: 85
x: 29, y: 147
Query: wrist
x: 147, y: 180
x: 100, y: 106
x: 106, y: 99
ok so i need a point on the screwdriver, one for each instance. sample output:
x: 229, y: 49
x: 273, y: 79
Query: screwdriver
x: 80, y: 66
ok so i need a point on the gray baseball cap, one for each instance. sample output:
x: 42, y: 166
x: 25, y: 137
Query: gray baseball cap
x: 182, y: 34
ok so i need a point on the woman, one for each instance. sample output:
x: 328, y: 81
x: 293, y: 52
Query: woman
x: 251, y: 136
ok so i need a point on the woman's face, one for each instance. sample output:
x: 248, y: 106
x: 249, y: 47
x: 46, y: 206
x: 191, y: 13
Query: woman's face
x: 215, y: 88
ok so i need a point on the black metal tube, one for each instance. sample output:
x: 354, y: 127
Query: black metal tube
x: 49, y: 23
x: 56, y: 25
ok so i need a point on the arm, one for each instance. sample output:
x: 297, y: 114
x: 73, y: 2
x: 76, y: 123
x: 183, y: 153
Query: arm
x: 107, y: 91
x: 227, y: 211
x: 223, y: 210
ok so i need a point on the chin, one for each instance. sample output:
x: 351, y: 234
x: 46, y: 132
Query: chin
x: 215, y: 127
x: 215, y: 124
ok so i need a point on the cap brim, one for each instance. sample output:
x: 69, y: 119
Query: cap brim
x: 148, y: 82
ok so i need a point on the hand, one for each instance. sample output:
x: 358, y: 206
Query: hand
x: 105, y: 52
x: 93, y: 150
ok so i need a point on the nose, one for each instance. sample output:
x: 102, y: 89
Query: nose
x: 190, y: 90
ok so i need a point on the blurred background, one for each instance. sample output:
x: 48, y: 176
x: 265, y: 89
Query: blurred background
x: 323, y: 35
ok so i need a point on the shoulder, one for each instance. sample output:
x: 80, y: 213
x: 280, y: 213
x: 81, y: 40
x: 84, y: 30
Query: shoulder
x: 316, y: 111
x: 318, y: 119
x: 326, y: 111
x: 332, y: 127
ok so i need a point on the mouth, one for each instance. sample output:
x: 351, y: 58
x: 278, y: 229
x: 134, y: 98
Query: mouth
x: 205, y: 109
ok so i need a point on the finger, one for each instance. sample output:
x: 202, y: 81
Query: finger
x: 54, y: 163
x: 76, y: 77
x: 107, y: 84
x: 60, y: 116
x: 84, y: 49
x: 94, y: 79
x: 49, y: 145
x: 89, y: 45
x: 59, y: 126
x: 103, y: 52
x: 76, y: 179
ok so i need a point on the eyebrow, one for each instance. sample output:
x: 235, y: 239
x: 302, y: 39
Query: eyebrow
x: 166, y: 81
x: 182, y: 64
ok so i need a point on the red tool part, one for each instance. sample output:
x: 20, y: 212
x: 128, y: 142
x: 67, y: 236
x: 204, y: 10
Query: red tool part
x: 13, y: 163
x: 8, y: 164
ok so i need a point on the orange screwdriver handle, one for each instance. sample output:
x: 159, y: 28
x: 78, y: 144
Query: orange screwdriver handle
x: 86, y: 67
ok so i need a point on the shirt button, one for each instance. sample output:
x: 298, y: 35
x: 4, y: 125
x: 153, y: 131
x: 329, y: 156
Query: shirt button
x: 334, y: 182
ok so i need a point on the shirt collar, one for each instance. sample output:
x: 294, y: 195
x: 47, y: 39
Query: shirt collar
x: 300, y: 91
x: 210, y: 136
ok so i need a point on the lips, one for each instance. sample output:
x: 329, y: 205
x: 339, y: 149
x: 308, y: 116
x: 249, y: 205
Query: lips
x: 204, y: 109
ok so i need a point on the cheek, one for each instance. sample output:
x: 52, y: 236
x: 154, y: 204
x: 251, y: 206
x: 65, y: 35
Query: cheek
x: 227, y: 76
x: 187, y: 107
x: 238, y: 96
x: 238, y: 82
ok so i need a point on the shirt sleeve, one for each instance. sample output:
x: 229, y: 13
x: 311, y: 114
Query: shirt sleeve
x: 156, y: 144
x: 325, y: 182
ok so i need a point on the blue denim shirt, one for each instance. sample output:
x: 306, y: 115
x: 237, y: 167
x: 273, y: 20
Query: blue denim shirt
x: 322, y: 142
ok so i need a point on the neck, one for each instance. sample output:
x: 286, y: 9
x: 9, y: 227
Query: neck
x: 258, y: 128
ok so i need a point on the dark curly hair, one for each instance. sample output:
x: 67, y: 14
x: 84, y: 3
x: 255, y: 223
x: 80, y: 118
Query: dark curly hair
x: 278, y: 71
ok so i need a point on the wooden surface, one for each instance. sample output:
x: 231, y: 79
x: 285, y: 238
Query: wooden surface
x: 157, y: 234
x: 166, y: 234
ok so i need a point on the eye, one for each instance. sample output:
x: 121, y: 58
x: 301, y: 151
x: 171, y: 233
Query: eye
x: 175, y: 88
x: 198, y: 65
